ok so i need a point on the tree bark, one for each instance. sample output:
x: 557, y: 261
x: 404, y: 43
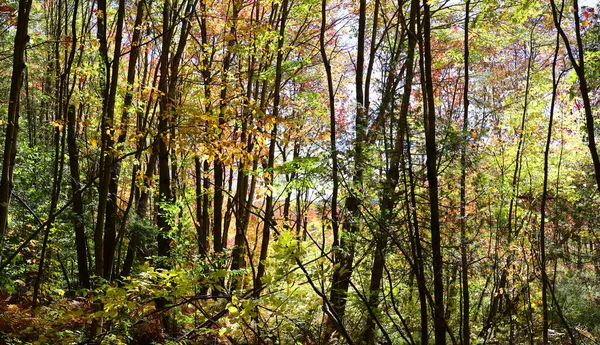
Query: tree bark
x: 78, y: 224
x: 12, y: 126
x: 269, y: 219
x: 343, y: 246
x: 111, y: 204
x: 464, y: 248
x: 432, y: 178
x: 578, y: 66
x: 104, y: 238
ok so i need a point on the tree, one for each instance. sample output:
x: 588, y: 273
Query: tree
x: 12, y: 130
x: 395, y: 172
x: 432, y: 178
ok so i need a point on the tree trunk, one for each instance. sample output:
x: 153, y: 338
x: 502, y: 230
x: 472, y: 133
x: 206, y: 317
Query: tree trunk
x: 200, y: 232
x: 269, y: 221
x: 78, y: 224
x: 105, y: 238
x: 578, y: 66
x: 431, y: 149
x: 12, y: 126
x: 343, y: 248
x: 111, y: 204
x: 464, y: 248
x: 167, y: 87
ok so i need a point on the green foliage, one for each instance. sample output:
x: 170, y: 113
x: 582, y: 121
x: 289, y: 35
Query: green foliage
x: 579, y: 300
x: 220, y: 111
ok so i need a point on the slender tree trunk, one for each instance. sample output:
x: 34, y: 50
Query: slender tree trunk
x: 394, y: 150
x: 142, y: 194
x: 63, y: 96
x: 546, y: 283
x: 269, y: 219
x: 59, y: 159
x: 59, y: 146
x: 202, y: 168
x: 431, y: 149
x: 165, y: 195
x: 12, y: 126
x: 578, y: 66
x: 237, y: 260
x: 106, y: 124
x: 111, y: 204
x: 411, y: 201
x: 105, y: 172
x: 343, y: 248
x: 80, y: 240
x: 228, y: 212
x: 416, y: 245
x: 218, y: 165
x: 205, y: 224
x: 167, y: 86
x: 200, y: 232
x: 464, y: 248
x: 104, y: 238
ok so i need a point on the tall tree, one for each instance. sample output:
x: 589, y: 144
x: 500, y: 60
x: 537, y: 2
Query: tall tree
x: 104, y: 239
x: 439, y: 321
x: 269, y: 219
x: 344, y: 244
x: 393, y: 138
x: 120, y: 132
x: 12, y: 128
x: 577, y: 61
x: 464, y: 246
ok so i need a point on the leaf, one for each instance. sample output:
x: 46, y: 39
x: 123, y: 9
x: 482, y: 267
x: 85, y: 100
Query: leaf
x: 232, y: 309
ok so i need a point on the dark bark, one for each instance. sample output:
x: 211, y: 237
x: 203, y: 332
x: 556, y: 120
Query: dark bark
x: 578, y: 66
x: 63, y: 96
x: 111, y: 204
x: 142, y: 194
x: 269, y: 219
x: 416, y: 245
x: 237, y: 261
x: 105, y: 238
x: 394, y: 149
x: 12, y: 125
x: 167, y: 86
x: 439, y: 321
x: 218, y: 206
x: 78, y: 224
x: 464, y: 247
x: 228, y: 212
x: 59, y: 150
x: 410, y: 195
x: 546, y: 283
x: 165, y: 195
x: 205, y: 223
x: 343, y: 246
x: 218, y: 165
x: 200, y: 230
x: 202, y: 168
x: 332, y: 129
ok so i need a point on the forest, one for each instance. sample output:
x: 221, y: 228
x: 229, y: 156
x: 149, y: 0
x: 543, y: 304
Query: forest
x: 314, y: 172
